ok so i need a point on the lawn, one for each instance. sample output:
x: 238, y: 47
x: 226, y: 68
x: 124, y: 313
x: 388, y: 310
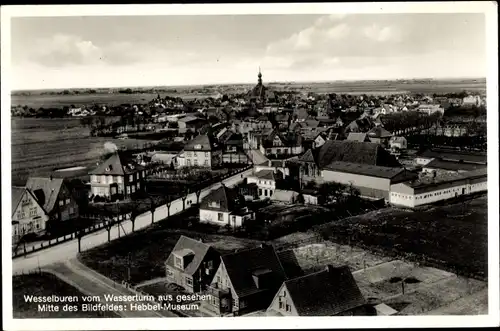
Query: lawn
x: 147, y: 251
x: 451, y: 237
x: 45, y: 284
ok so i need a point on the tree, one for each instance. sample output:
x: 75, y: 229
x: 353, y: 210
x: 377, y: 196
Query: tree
x: 331, y: 191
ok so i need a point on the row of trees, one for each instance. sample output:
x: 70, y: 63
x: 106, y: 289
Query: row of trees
x: 406, y: 122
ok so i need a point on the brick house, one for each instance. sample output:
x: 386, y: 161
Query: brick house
x: 192, y: 264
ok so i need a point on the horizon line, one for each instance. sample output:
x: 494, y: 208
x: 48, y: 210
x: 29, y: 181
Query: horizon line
x: 250, y: 83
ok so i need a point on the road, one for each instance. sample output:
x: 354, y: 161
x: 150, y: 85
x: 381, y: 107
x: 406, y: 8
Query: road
x: 69, y: 249
x: 91, y: 283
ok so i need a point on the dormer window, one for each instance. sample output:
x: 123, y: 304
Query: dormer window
x: 197, y: 146
x: 215, y: 204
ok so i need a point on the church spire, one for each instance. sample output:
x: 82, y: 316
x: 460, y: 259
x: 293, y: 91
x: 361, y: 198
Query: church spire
x: 260, y: 77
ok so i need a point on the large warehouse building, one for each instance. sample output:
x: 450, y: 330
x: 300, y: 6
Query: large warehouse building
x: 433, y: 189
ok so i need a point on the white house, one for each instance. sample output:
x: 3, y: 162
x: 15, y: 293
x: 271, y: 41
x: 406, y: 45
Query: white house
x: 266, y: 182
x: 398, y: 142
x: 28, y: 216
x: 224, y: 206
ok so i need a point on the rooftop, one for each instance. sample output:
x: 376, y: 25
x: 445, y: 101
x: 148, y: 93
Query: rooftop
x: 364, y: 169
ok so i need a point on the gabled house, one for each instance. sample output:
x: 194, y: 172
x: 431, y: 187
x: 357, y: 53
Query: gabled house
x: 330, y: 292
x: 225, y: 207
x: 192, y: 264
x: 202, y: 151
x: 246, y: 281
x: 117, y: 177
x: 192, y: 123
x: 55, y: 198
x: 278, y: 143
x: 398, y: 143
x: 266, y: 182
x: 28, y: 216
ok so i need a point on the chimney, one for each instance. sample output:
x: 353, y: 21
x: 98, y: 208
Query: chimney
x: 329, y: 268
x: 51, y: 177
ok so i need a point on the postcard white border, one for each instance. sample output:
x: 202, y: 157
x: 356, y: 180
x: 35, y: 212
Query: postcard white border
x: 486, y: 7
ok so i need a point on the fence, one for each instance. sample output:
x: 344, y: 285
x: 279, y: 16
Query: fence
x: 99, y: 226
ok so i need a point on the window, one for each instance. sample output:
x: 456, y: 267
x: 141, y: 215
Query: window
x: 265, y: 193
x: 220, y: 217
x: 170, y: 273
x: 128, y: 189
x: 94, y: 178
x: 67, y: 201
x: 288, y: 308
x: 138, y: 185
x: 206, y: 154
x: 119, y: 179
x: 188, y: 154
x: 61, y: 202
x: 133, y: 189
x: 33, y: 212
x: 189, y: 281
x: 178, y: 262
x: 281, y: 304
x: 131, y: 178
x: 188, y: 163
x: 71, y: 210
x: 195, y: 162
x: 260, y: 191
x: 103, y: 179
x: 284, y: 294
x: 206, y: 163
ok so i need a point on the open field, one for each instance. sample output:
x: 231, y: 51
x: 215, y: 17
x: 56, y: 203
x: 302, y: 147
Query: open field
x: 148, y: 251
x: 452, y: 237
x: 45, y: 284
x: 109, y: 99
x: 40, y: 145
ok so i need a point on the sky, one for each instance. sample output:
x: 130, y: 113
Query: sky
x: 112, y: 51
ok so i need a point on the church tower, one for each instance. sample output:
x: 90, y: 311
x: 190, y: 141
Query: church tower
x: 259, y: 81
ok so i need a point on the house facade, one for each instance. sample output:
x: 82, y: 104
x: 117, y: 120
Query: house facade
x: 192, y: 264
x: 118, y: 177
x: 282, y: 144
x: 55, y: 198
x: 245, y: 281
x: 202, y: 151
x: 28, y: 215
x: 225, y: 207
x: 265, y: 181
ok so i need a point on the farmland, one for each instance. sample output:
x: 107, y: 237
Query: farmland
x: 452, y: 237
x: 45, y: 284
x: 35, y: 100
x: 112, y: 97
x: 40, y: 145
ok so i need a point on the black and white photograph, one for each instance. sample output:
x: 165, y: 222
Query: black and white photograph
x: 258, y: 161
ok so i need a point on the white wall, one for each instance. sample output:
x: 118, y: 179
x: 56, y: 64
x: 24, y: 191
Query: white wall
x: 356, y: 180
x: 211, y: 216
x: 403, y: 197
x: 423, y: 160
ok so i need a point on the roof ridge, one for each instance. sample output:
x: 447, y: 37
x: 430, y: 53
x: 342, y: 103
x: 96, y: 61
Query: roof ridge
x: 304, y: 276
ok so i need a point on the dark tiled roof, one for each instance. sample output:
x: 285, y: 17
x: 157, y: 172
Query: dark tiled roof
x: 429, y: 181
x: 228, y: 199
x: 118, y: 165
x: 452, y: 165
x: 289, y: 262
x: 241, y: 265
x: 364, y: 169
x: 475, y: 157
x: 205, y: 141
x: 17, y: 194
x: 350, y: 151
x: 45, y: 189
x: 325, y: 293
x: 198, y: 248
